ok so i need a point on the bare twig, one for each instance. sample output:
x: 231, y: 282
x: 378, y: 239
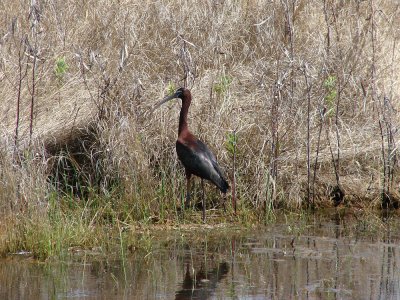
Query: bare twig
x: 21, y: 75
x: 308, y: 86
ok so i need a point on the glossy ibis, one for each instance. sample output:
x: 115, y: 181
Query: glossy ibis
x: 194, y: 154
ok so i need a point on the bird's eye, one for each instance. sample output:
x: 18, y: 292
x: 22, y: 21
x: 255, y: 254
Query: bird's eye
x: 179, y: 92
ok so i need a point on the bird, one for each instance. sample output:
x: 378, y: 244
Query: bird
x: 195, y: 156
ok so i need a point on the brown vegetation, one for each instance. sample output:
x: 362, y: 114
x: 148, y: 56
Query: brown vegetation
x: 311, y: 89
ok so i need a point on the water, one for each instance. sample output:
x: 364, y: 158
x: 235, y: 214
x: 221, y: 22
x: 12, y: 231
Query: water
x: 314, y: 259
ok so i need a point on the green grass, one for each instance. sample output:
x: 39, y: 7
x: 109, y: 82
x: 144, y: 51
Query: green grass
x: 98, y: 225
x: 101, y: 227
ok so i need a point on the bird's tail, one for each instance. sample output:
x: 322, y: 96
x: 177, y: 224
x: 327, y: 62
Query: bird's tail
x: 218, y: 179
x: 223, y: 185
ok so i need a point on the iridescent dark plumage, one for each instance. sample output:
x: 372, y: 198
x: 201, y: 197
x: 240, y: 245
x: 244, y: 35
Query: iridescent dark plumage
x: 194, y: 154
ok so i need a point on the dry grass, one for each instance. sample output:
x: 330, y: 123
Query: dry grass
x: 259, y: 68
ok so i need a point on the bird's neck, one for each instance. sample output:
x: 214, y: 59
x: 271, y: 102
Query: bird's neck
x: 183, y: 125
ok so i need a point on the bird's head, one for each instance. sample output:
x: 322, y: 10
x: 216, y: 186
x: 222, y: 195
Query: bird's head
x: 179, y: 93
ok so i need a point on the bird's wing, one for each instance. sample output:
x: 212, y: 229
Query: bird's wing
x: 200, y: 161
x: 194, y: 160
x: 210, y: 156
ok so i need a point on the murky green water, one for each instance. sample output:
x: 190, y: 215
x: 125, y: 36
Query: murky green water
x: 315, y: 259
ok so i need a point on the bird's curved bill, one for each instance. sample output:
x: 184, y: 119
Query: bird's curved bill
x: 166, y: 99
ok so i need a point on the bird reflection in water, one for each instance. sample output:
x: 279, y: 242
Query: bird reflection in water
x: 201, y: 285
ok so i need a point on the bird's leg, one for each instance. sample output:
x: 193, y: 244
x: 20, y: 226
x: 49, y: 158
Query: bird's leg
x: 204, y: 201
x: 187, y: 201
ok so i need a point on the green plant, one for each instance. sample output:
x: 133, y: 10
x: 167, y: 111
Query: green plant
x: 171, y: 88
x: 222, y: 86
x: 231, y: 142
x: 61, y: 68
